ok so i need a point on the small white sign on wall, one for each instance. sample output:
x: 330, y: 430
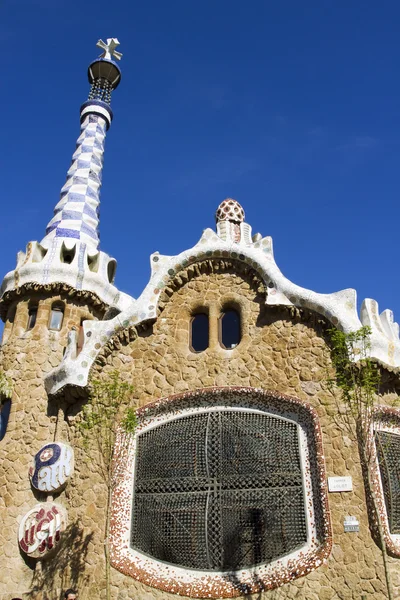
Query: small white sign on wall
x: 340, y: 484
x: 351, y: 524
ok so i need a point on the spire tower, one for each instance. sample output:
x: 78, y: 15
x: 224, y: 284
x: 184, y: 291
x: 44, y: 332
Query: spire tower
x: 69, y: 254
x: 76, y: 215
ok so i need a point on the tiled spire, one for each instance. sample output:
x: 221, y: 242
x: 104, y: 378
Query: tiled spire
x: 76, y: 215
x: 69, y: 255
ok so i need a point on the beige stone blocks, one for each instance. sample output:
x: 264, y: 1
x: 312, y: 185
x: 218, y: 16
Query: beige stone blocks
x: 278, y: 352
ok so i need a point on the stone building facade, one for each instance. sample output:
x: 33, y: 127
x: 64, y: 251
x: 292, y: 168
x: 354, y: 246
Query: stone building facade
x: 224, y: 492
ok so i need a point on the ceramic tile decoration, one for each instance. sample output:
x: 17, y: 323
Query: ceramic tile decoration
x: 233, y: 241
x: 52, y: 466
x: 229, y: 496
x: 69, y: 252
x: 215, y: 584
x: 77, y: 213
x: 41, y: 529
x: 386, y: 419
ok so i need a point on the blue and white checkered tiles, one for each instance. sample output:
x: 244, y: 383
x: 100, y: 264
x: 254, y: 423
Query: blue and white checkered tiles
x: 77, y: 213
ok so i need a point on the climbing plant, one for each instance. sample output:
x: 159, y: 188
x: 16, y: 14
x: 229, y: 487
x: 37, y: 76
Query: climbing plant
x: 5, y: 386
x: 107, y: 423
x: 358, y: 379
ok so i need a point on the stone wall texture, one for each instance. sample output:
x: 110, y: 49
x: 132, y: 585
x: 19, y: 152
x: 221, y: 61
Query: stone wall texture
x: 280, y: 350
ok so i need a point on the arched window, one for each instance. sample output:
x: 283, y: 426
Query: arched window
x: 229, y: 329
x: 199, y: 332
x: 56, y: 316
x: 388, y: 451
x: 232, y: 490
x: 32, y: 314
x: 5, y: 408
x: 217, y: 482
x: 11, y: 314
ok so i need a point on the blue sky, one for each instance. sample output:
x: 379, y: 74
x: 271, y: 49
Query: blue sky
x: 292, y: 108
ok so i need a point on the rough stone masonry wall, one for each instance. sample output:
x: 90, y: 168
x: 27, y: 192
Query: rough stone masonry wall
x: 278, y: 352
x: 26, y: 356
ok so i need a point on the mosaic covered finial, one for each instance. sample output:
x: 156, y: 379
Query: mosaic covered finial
x: 230, y: 210
x: 104, y: 76
x: 230, y: 222
x: 109, y: 49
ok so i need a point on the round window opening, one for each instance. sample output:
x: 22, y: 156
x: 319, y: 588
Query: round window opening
x: 221, y: 490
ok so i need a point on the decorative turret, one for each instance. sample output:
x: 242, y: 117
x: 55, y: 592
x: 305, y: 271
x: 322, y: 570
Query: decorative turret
x: 68, y: 254
x: 230, y: 222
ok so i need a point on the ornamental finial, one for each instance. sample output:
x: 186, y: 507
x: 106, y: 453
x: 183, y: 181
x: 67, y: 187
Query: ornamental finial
x: 109, y: 49
x: 104, y: 74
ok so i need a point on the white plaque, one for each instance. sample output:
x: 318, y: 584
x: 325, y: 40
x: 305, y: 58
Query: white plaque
x: 340, y: 484
x: 351, y: 524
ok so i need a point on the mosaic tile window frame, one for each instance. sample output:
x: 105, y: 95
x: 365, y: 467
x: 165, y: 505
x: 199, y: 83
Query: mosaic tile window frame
x: 386, y: 421
x: 200, y: 583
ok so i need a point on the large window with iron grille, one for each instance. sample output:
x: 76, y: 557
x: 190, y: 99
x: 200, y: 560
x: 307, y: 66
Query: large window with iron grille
x: 221, y: 493
x: 388, y: 452
x: 219, y: 490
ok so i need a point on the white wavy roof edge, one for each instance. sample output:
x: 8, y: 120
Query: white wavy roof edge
x: 339, y: 307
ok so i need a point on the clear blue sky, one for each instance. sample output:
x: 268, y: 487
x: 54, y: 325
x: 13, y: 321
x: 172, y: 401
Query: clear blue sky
x: 292, y: 108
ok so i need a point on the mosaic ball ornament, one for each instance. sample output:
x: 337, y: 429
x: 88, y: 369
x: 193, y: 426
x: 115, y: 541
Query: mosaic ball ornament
x: 52, y: 466
x: 230, y: 210
x: 41, y: 528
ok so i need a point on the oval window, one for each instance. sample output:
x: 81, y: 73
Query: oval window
x: 4, y: 416
x: 230, y: 329
x: 199, y: 332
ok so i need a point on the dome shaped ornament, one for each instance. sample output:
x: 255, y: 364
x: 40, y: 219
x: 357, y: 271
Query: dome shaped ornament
x: 230, y: 210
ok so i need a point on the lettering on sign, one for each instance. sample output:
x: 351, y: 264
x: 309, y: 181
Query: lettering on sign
x: 52, y: 466
x: 40, y: 529
x: 340, y: 484
x: 351, y: 524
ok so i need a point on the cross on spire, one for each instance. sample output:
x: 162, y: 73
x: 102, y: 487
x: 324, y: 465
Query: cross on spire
x: 109, y: 49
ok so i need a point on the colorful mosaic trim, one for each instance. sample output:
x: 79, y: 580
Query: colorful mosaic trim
x: 338, y: 308
x: 77, y: 213
x: 385, y: 419
x: 197, y: 584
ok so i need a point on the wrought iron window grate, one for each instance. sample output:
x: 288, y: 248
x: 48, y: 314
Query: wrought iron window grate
x: 388, y: 449
x: 220, y: 490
